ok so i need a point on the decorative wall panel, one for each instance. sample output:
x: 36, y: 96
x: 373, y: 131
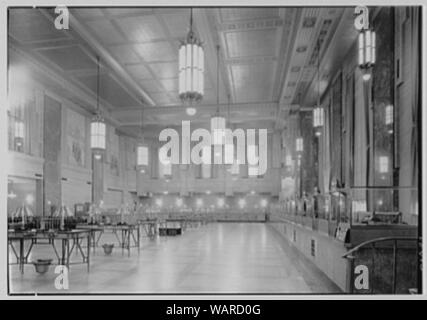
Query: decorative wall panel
x: 75, y: 138
x: 52, y: 152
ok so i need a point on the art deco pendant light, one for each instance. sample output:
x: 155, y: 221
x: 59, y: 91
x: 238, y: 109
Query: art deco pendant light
x: 191, y: 69
x: 97, y: 126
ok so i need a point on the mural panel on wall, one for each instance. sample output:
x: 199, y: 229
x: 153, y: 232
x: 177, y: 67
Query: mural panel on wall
x: 113, y: 151
x: 76, y: 137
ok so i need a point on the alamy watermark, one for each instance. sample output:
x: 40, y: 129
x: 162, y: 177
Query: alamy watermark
x: 220, y: 141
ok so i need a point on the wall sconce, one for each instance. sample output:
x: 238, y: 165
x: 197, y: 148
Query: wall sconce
x: 367, y: 52
x: 142, y: 156
x: 299, y: 145
x: 383, y: 164
x: 318, y: 119
x: 19, y: 133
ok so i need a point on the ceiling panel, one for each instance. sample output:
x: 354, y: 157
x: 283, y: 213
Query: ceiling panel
x: 235, y: 14
x: 161, y: 99
x: 141, y: 29
x: 170, y: 84
x: 253, y: 82
x: 251, y: 43
x: 126, y: 11
x: 110, y: 90
x: 143, y: 45
x: 151, y: 86
x: 174, y: 96
x: 124, y: 54
x: 88, y: 13
x: 165, y: 69
x: 156, y: 51
x: 69, y: 58
x: 29, y: 25
x: 178, y: 24
x: 105, y: 31
x: 139, y: 71
x: 210, y: 97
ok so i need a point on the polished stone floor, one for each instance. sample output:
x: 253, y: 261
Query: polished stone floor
x: 216, y: 258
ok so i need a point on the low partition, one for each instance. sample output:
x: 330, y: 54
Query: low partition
x: 326, y: 242
x: 325, y: 252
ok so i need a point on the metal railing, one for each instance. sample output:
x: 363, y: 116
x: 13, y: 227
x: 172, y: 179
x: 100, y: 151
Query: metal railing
x: 353, y: 254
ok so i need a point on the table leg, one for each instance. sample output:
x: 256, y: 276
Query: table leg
x: 63, y: 252
x: 68, y: 254
x: 138, y: 235
x: 93, y: 235
x: 128, y: 244
x: 88, y: 252
x: 99, y: 237
x: 21, y: 255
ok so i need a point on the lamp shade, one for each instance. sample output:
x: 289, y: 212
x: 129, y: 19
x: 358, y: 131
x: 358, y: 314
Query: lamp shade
x: 191, y: 70
x: 288, y: 161
x: 299, y: 145
x: 318, y: 117
x: 97, y: 134
x: 63, y: 212
x: 383, y: 164
x: 142, y: 155
x: 389, y: 114
x: 94, y: 210
x: 367, y: 48
x: 123, y: 209
x: 19, y: 130
x: 23, y: 212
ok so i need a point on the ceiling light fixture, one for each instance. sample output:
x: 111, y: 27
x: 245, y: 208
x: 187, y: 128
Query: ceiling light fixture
x: 97, y: 126
x: 299, y: 145
x: 191, y: 111
x: 142, y: 149
x: 367, y: 52
x: 19, y: 133
x: 318, y: 112
x: 191, y: 68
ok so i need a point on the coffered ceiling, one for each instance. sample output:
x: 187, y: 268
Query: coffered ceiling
x: 268, y: 59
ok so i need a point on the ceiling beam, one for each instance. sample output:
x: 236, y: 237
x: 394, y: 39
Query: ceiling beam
x: 173, y: 122
x: 137, y: 92
x: 210, y: 38
x: 343, y: 37
x: 159, y: 110
x: 50, y: 78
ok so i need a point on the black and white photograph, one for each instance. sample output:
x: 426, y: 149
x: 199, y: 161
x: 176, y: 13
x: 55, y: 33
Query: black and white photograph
x: 213, y: 150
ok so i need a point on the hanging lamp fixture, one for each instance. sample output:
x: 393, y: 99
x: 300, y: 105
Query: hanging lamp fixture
x: 299, y: 142
x: 217, y: 122
x: 19, y: 133
x: 318, y: 112
x: 142, y: 149
x: 367, y: 52
x: 229, y: 145
x: 97, y: 126
x: 191, y: 70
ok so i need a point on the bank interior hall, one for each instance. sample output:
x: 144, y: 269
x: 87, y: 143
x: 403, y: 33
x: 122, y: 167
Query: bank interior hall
x: 213, y: 150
